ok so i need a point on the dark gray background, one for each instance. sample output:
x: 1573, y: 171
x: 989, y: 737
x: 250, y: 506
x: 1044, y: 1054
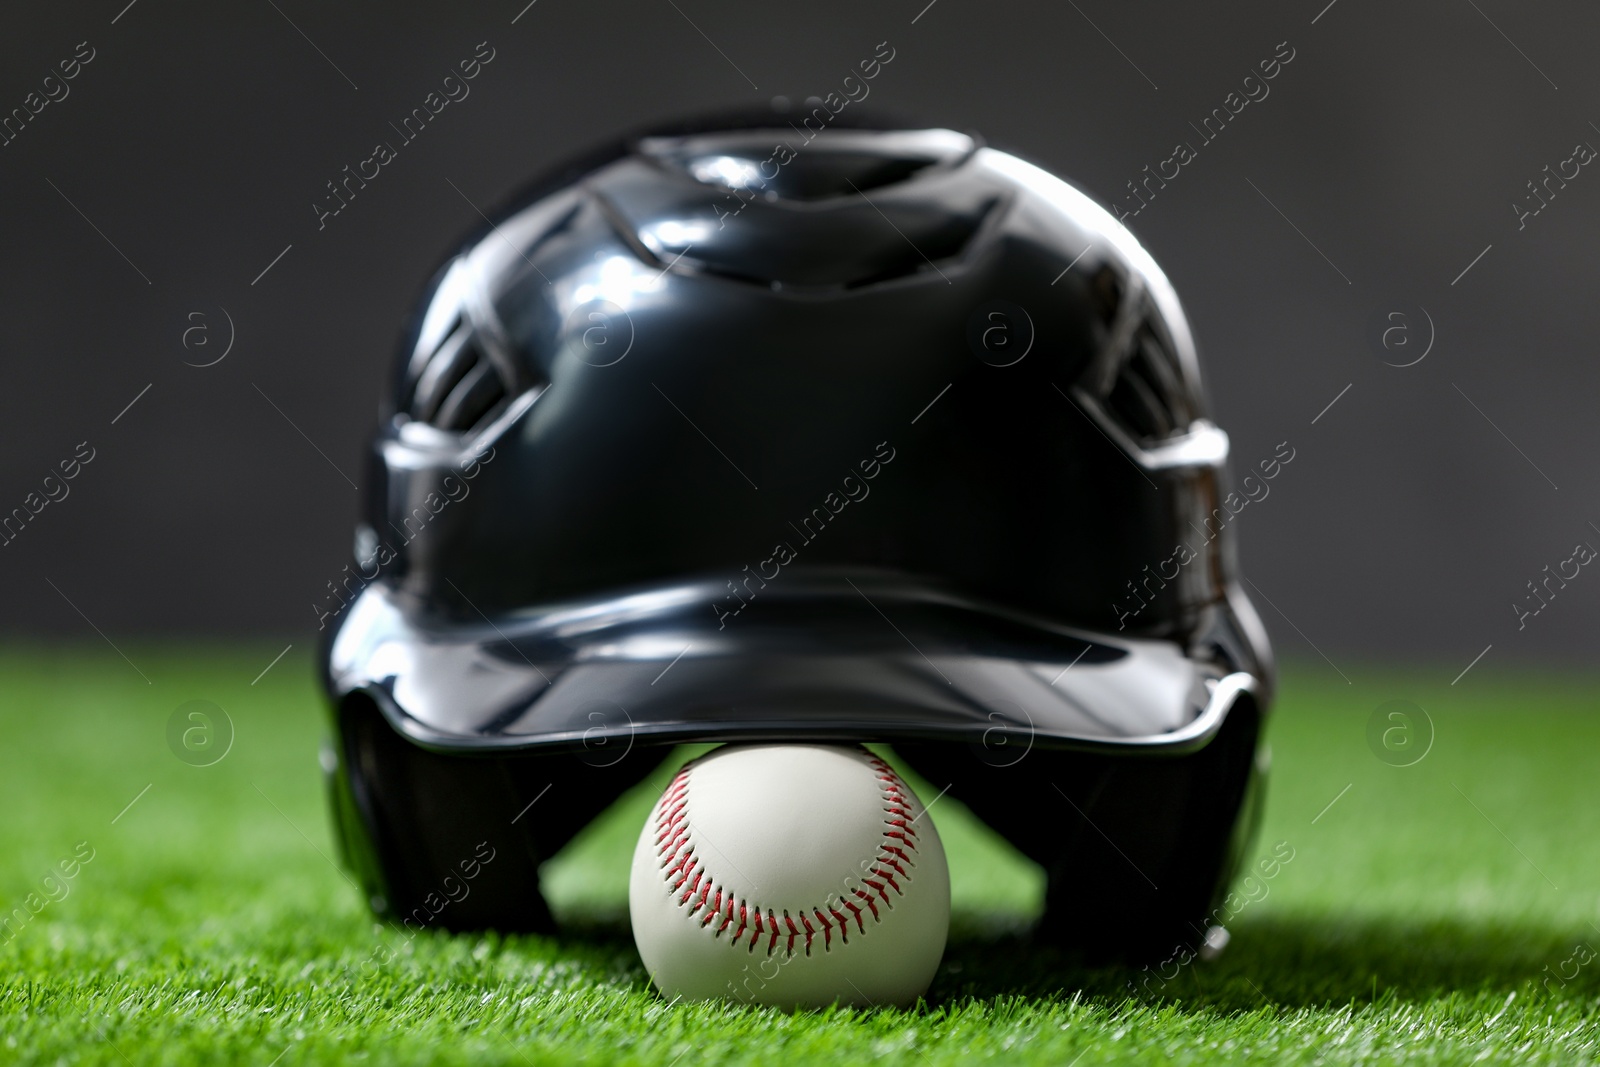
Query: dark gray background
x: 1396, y: 142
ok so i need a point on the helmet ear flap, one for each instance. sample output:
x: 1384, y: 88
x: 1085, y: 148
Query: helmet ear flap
x: 1099, y: 902
x: 455, y: 842
x: 1127, y: 881
x: 431, y: 836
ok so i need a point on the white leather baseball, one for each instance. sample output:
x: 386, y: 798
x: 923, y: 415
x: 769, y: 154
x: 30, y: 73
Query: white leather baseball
x: 790, y: 875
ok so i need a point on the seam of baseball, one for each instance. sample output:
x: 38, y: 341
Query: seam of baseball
x: 687, y: 880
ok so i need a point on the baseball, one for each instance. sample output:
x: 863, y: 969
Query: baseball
x: 790, y: 875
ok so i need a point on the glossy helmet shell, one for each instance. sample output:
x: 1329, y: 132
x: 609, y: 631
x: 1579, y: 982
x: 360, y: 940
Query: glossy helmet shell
x: 772, y: 433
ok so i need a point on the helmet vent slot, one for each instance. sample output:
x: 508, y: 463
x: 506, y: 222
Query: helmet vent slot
x: 457, y: 387
x: 1107, y: 293
x: 845, y: 163
x: 1148, y: 396
x: 818, y: 176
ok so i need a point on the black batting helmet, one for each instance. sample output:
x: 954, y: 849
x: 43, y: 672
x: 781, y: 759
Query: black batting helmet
x: 818, y: 434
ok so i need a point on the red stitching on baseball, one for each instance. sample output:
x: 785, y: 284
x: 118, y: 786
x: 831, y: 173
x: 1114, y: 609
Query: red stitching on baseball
x: 827, y: 932
x: 715, y: 910
x: 679, y: 865
x: 844, y: 925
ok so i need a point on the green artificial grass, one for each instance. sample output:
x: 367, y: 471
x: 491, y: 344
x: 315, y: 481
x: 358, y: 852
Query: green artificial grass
x: 1444, y: 912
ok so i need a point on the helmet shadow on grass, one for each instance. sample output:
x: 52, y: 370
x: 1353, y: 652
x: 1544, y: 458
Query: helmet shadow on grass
x: 1288, y: 962
x: 1293, y: 962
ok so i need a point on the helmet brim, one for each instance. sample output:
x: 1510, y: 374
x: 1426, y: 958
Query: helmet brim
x: 848, y: 656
